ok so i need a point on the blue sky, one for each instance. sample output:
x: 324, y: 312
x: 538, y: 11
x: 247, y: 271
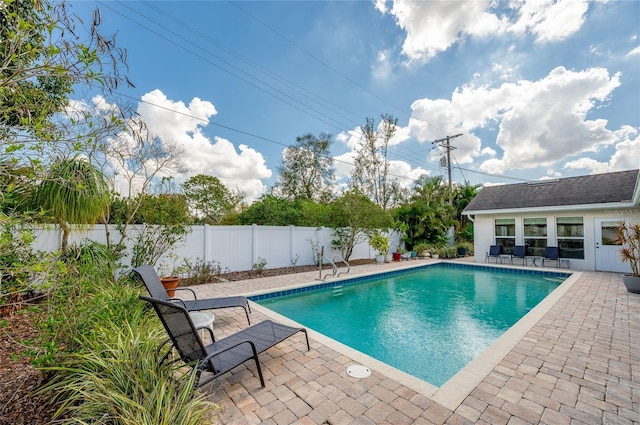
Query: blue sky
x: 539, y: 89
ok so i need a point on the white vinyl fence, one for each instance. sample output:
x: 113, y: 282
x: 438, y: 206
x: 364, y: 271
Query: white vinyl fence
x: 234, y: 248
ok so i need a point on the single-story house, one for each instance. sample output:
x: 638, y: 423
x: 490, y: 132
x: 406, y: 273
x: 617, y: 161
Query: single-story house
x: 576, y: 214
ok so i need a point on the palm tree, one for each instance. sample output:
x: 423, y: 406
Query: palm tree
x: 427, y: 214
x: 462, y: 195
x: 74, y: 191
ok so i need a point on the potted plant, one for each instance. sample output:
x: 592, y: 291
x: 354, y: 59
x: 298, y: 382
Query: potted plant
x: 380, y: 243
x: 463, y: 248
x: 396, y: 255
x: 170, y: 278
x: 170, y: 284
x: 388, y: 257
x: 422, y: 249
x: 628, y: 235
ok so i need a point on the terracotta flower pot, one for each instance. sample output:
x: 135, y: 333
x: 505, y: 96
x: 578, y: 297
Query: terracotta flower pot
x: 170, y: 284
x: 396, y: 256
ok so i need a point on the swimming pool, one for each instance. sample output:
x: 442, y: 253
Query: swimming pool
x: 428, y: 322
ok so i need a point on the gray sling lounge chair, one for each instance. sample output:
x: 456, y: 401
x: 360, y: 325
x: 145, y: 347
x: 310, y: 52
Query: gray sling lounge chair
x: 151, y: 280
x: 223, y: 355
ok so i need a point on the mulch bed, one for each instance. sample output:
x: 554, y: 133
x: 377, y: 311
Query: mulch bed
x: 19, y: 379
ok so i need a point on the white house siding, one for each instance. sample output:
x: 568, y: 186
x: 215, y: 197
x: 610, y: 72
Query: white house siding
x: 484, y: 229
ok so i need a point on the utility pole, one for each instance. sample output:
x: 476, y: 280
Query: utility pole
x: 444, y: 143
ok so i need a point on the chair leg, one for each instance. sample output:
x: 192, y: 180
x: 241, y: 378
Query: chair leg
x: 306, y: 336
x: 255, y: 357
x: 246, y: 312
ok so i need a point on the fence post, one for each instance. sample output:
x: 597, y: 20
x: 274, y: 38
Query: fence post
x: 291, y: 230
x: 254, y: 242
x: 206, y: 251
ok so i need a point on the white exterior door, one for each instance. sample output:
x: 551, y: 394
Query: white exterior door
x: 607, y: 251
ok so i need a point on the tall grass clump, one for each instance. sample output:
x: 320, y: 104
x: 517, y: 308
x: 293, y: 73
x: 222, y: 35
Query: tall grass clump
x: 98, y: 348
x: 118, y: 379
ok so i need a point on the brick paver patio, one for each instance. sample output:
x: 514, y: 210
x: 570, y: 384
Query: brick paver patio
x: 578, y: 364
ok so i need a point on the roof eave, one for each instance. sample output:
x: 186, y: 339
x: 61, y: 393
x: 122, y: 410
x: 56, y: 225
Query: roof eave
x: 636, y: 193
x: 610, y: 205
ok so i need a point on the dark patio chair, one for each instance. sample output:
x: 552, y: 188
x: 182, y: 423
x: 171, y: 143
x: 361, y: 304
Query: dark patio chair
x: 551, y: 253
x: 151, y: 280
x: 222, y: 355
x: 520, y: 252
x: 494, y: 252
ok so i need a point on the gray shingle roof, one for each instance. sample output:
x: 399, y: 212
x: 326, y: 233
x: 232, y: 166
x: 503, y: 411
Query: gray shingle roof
x: 582, y: 190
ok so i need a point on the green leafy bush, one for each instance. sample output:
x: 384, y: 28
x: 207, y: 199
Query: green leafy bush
x: 448, y: 252
x: 260, y: 265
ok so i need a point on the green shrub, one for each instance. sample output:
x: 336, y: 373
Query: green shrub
x: 466, y: 246
x: 380, y: 243
x: 448, y: 252
x: 201, y: 271
x: 422, y: 247
x: 260, y: 265
x: 83, y: 295
x: 26, y: 276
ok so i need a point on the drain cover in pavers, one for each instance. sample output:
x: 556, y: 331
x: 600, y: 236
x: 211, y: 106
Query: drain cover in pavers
x: 358, y: 371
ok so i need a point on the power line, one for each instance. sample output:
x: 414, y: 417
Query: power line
x: 299, y: 89
x: 300, y: 105
x: 502, y: 176
x: 409, y: 157
x: 320, y: 61
x: 337, y: 72
x: 246, y: 133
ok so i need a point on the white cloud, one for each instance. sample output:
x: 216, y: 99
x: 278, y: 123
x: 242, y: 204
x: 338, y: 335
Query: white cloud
x: 488, y: 151
x: 433, y: 26
x: 634, y: 52
x: 433, y: 119
x: 546, y: 120
x: 540, y: 123
x: 382, y: 67
x: 551, y: 20
x: 625, y: 157
x: 344, y: 165
x: 242, y: 169
x: 97, y: 106
x: 596, y: 167
x: 174, y: 120
x: 381, y: 6
x: 405, y: 174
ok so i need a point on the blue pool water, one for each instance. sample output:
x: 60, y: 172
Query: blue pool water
x: 428, y: 322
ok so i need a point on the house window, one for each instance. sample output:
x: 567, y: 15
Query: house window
x: 570, y: 232
x: 506, y: 234
x: 535, y: 236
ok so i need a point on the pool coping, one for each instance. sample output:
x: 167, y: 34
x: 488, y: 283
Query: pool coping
x: 457, y: 388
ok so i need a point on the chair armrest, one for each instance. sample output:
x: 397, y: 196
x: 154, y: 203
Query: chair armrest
x: 195, y: 297
x: 206, y: 359
x: 178, y: 301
